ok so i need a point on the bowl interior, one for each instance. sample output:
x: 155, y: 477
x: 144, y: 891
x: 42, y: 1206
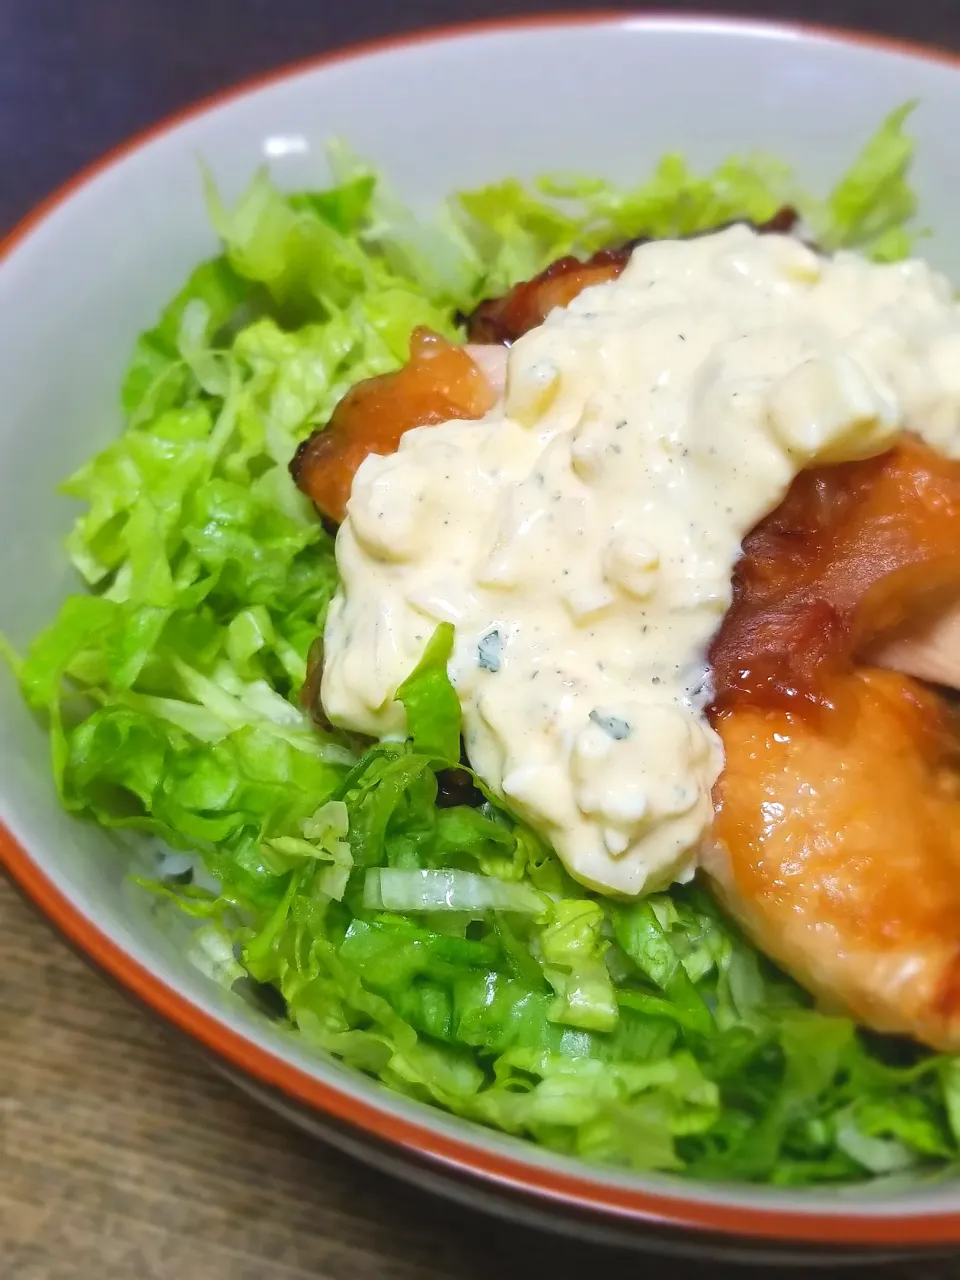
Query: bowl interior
x: 605, y: 97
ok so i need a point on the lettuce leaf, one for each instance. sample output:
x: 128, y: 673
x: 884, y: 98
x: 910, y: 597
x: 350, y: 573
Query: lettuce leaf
x: 871, y: 206
x: 518, y: 230
x: 429, y: 699
x: 441, y: 948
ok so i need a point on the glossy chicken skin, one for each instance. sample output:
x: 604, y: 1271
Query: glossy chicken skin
x: 837, y: 847
x: 440, y: 382
x: 527, y: 304
x: 837, y: 837
x: 852, y: 554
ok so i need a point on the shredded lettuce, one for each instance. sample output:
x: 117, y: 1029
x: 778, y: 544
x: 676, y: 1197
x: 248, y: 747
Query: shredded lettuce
x: 871, y: 207
x: 432, y: 707
x: 440, y: 948
x: 411, y: 889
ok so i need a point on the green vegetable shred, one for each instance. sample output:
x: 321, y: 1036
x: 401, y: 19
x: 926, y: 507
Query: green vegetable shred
x: 439, y: 947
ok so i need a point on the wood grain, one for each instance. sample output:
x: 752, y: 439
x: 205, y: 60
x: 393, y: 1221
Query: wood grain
x: 122, y: 1155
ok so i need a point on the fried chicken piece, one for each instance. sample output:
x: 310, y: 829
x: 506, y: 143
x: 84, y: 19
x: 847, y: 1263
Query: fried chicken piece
x: 837, y: 847
x: 837, y: 837
x: 527, y: 304
x: 849, y: 557
x: 440, y: 382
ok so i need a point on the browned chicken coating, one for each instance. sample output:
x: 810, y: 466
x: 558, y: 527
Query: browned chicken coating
x: 440, y: 382
x: 528, y: 303
x: 852, y: 554
x: 837, y: 838
x: 837, y: 847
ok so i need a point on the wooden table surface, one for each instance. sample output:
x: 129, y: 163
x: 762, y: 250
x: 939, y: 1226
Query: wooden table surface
x: 123, y: 1156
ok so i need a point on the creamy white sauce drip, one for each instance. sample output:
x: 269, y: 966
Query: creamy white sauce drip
x: 582, y: 536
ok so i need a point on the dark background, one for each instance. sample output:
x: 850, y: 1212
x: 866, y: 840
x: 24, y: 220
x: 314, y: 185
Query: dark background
x: 78, y: 76
x: 122, y: 1155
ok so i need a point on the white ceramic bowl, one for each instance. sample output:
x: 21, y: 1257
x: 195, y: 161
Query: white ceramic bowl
x: 89, y: 270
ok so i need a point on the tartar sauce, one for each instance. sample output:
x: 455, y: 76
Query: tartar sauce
x: 582, y: 536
